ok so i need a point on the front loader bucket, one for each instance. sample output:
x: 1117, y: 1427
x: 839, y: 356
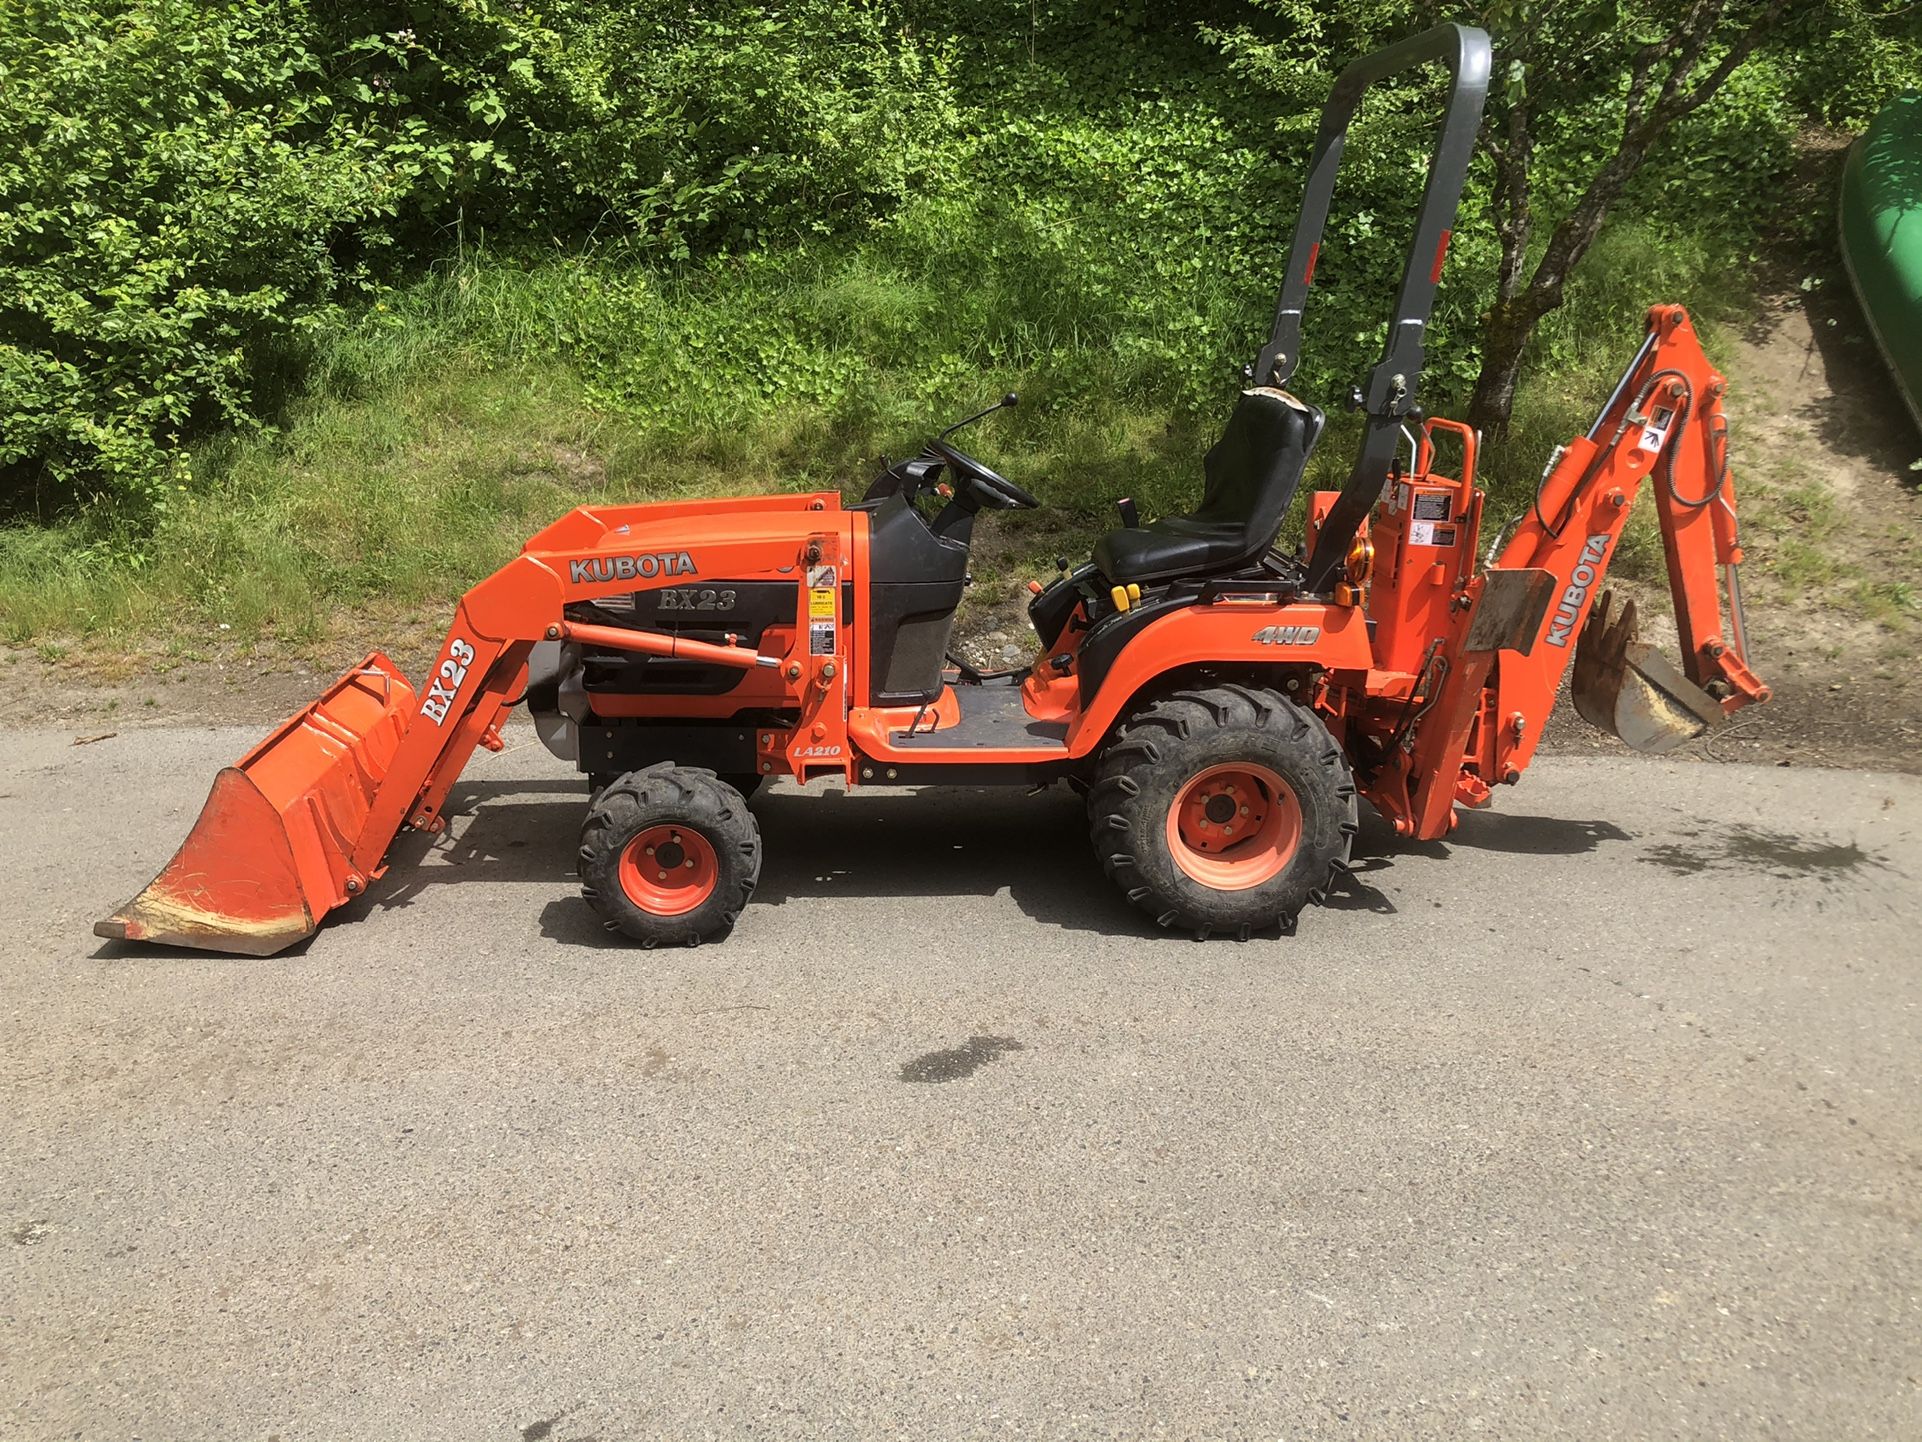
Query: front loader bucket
x: 271, y: 853
x: 1627, y: 687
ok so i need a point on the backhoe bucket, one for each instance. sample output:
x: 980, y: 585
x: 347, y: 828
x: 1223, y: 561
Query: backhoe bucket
x: 271, y: 853
x: 1627, y: 687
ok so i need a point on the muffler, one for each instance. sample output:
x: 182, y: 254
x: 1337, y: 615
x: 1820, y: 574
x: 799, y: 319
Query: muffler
x: 1628, y: 688
x: 272, y: 851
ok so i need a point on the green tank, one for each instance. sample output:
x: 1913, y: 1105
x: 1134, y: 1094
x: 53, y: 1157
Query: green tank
x: 1881, y: 236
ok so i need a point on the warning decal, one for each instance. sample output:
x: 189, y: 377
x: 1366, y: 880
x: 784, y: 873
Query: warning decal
x: 1431, y: 506
x: 1427, y: 533
x: 821, y: 585
x: 820, y: 638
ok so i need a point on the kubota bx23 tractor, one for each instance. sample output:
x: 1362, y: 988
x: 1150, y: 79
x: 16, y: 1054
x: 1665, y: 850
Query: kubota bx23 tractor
x: 1222, y: 704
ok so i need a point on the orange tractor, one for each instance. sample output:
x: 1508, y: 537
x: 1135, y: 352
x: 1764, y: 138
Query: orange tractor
x: 1222, y: 704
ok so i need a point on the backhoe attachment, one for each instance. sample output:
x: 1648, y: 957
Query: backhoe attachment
x: 1626, y: 686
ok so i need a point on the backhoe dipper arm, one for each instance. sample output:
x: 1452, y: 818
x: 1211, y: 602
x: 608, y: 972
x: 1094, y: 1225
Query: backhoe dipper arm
x: 1665, y: 422
x: 1391, y: 389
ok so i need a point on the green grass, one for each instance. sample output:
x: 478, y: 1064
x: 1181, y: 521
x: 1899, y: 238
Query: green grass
x: 445, y: 424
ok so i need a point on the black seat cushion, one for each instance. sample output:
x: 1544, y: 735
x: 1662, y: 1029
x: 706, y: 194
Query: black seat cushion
x: 1251, y: 475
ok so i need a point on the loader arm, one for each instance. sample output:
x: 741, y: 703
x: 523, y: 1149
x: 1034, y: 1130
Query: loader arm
x: 1541, y: 604
x: 302, y: 824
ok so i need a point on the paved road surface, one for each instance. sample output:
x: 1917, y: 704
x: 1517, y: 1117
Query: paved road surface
x: 1602, y: 1120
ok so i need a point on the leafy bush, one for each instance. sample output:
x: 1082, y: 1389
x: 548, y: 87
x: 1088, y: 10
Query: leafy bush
x: 188, y: 192
x: 165, y: 228
x: 754, y: 206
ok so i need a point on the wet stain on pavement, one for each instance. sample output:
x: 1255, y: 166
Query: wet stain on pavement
x: 1759, y: 851
x: 957, y: 1062
x: 29, y: 1232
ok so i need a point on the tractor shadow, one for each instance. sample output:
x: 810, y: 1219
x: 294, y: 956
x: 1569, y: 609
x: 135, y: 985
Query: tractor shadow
x: 1377, y: 848
x: 946, y: 841
x: 954, y: 842
x: 498, y: 831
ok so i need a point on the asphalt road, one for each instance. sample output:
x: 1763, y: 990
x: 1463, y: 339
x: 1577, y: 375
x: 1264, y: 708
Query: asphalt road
x: 1602, y: 1119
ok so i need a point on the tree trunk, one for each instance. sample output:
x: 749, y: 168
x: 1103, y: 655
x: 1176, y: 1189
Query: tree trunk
x: 1505, y: 338
x: 1647, y: 116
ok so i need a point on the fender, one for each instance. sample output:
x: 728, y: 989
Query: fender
x: 1227, y: 632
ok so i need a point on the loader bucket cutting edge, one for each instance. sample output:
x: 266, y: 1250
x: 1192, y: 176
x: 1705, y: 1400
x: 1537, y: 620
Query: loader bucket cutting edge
x: 270, y: 855
x: 1628, y: 688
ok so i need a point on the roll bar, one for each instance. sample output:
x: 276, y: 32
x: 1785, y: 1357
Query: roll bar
x: 1390, y: 393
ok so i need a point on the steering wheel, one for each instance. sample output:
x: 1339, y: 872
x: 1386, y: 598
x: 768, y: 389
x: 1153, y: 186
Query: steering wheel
x: 976, y: 481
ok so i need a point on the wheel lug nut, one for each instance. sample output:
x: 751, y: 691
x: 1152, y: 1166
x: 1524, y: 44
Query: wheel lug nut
x: 650, y: 851
x: 690, y: 866
x: 663, y: 876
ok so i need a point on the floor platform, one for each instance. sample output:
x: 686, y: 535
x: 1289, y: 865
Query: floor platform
x: 992, y: 718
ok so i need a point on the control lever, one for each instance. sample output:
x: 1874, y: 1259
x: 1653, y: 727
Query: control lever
x: 1010, y: 399
x: 1130, y: 516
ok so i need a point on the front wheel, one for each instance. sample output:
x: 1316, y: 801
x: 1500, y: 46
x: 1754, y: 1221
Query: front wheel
x: 669, y: 855
x: 1223, y: 810
x: 745, y: 782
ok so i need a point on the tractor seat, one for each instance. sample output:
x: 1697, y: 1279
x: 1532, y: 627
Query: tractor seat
x: 1251, y: 474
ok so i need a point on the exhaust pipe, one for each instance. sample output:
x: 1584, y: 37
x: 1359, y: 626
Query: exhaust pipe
x: 1631, y: 690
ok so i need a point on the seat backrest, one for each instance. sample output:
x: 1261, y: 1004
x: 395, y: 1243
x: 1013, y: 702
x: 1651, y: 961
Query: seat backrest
x: 1253, y: 470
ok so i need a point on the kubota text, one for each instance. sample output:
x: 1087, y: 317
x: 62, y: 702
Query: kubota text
x: 626, y: 568
x: 1568, y: 610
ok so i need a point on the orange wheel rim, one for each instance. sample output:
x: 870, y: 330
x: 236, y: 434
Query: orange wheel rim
x: 669, y: 870
x: 1234, y: 826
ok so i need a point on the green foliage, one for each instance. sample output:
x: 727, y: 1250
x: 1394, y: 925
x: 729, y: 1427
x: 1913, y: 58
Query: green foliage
x: 1844, y: 58
x: 189, y: 191
x: 164, y: 220
x: 820, y: 224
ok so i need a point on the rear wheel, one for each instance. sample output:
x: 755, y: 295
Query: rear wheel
x: 669, y: 855
x: 1223, y: 810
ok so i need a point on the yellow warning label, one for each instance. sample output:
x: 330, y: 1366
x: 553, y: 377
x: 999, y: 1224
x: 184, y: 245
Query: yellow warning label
x: 821, y: 605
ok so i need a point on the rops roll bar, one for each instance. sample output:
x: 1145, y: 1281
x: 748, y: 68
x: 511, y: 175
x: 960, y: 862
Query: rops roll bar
x: 1390, y: 392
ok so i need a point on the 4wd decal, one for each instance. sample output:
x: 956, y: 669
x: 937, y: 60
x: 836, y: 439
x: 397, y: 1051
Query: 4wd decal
x: 1568, y: 610
x: 626, y: 568
x: 1288, y: 635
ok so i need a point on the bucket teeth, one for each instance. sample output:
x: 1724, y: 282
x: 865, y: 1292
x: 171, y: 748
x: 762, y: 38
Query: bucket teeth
x: 1601, y: 656
x: 1631, y: 690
